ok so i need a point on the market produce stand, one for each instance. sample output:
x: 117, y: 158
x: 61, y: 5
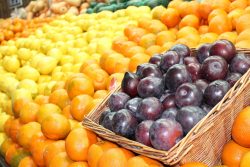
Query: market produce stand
x: 138, y: 82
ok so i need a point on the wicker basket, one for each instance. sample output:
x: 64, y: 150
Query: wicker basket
x: 203, y: 143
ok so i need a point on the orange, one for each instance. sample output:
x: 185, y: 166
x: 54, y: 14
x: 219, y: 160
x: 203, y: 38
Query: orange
x: 154, y: 49
x: 53, y: 149
x: 234, y: 15
x: 189, y: 20
x: 144, y: 22
x: 78, y: 142
x: 104, y: 57
x: 14, y: 129
x: 110, y: 62
x: 55, y: 126
x: 136, y: 34
x: 79, y: 164
x: 60, y: 98
x: 100, y: 94
x: 11, y: 152
x: 241, y: 128
x: 27, y: 162
x: 167, y: 46
x: 96, y: 150
x: 61, y: 159
x: 208, y: 37
x: 58, y: 85
x: 220, y: 24
x: 99, y: 78
x: 38, y: 143
x: 73, y: 76
x: 80, y: 106
x: 203, y: 29
x: 183, y: 41
x: 45, y: 110
x: 186, y: 31
x: 243, y: 44
x: 143, y: 161
x: 133, y: 50
x: 18, y: 104
x: 174, y: 4
x: 42, y: 99
x: 8, y: 107
x: 18, y: 156
x: 187, y: 8
x: 247, y: 9
x: 164, y: 37
x: 194, y: 164
x: 121, y: 65
x: 147, y: 40
x: 190, y: 40
x: 136, y: 60
x: 182, y: 8
x: 156, y: 26
x: 26, y: 132
x: 119, y: 44
x: 96, y: 102
x: 193, y: 8
x: 87, y: 63
x: 157, y: 12
x: 5, y: 146
x: 216, y: 12
x: 231, y: 36
x: 238, y: 4
x: 170, y: 17
x: 115, y: 157
x: 78, y: 86
x: 242, y: 23
x: 66, y: 112
x: 122, y: 46
x: 7, y: 126
x: 29, y: 112
x: 245, y: 160
x: 173, y: 30
x: 244, y: 35
x: 204, y: 9
x: 232, y: 154
x: 222, y: 4
x: 8, y: 35
x: 114, y: 81
x: 89, y: 68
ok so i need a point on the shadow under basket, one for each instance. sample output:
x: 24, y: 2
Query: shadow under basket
x: 204, y: 143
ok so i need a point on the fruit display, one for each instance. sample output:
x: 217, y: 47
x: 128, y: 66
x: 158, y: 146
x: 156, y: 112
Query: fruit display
x: 55, y: 70
x: 44, y: 8
x: 165, y: 98
x: 114, y: 5
x: 17, y: 28
x: 52, y: 78
x: 236, y: 151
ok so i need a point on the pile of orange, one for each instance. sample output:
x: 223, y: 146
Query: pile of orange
x: 188, y: 22
x: 14, y: 28
x: 237, y: 151
x: 77, y: 148
x: 45, y: 130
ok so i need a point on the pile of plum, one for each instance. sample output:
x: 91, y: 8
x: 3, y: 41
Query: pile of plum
x: 167, y: 97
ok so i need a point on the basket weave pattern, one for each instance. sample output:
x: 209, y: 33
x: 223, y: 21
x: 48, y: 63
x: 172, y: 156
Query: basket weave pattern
x: 203, y: 143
